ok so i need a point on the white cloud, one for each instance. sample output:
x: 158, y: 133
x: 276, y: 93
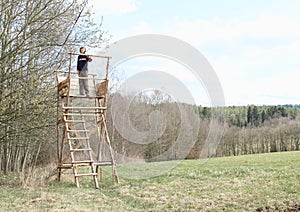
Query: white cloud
x: 142, y: 28
x: 265, y: 76
x: 269, y: 27
x: 249, y: 69
x: 115, y: 7
x: 255, y: 59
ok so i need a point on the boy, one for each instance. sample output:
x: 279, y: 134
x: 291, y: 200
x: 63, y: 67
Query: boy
x: 82, y: 71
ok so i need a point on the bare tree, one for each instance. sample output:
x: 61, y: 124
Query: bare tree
x: 34, y: 39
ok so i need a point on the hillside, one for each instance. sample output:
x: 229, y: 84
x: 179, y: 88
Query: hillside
x: 262, y: 182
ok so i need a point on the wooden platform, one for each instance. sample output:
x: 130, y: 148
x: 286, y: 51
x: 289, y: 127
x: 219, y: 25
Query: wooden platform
x: 74, y: 86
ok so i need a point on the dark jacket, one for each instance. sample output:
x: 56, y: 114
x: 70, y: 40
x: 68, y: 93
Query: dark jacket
x: 82, y: 62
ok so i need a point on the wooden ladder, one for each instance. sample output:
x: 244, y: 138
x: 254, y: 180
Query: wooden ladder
x: 79, y: 144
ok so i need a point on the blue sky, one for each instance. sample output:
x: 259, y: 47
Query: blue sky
x: 253, y: 46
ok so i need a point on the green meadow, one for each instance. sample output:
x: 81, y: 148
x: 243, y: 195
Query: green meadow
x: 262, y: 182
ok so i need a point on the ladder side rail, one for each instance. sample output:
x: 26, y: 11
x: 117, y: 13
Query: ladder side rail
x: 61, y: 101
x: 58, y: 130
x: 59, y: 154
x: 114, y: 170
x: 74, y: 165
x: 101, y: 129
x: 67, y: 126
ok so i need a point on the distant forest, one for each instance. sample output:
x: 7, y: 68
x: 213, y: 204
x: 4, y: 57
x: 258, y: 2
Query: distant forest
x: 247, y: 130
x: 259, y: 129
x: 252, y: 115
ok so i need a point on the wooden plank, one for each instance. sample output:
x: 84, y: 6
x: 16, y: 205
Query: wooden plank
x: 85, y: 97
x: 64, y: 86
x: 80, y: 150
x: 78, y: 130
x: 82, y: 161
x: 74, y: 121
x: 100, y: 56
x: 85, y: 108
x: 63, y: 81
x: 87, y: 174
x: 65, y: 166
x: 101, y: 88
x: 103, y: 163
x: 93, y: 114
x: 79, y: 138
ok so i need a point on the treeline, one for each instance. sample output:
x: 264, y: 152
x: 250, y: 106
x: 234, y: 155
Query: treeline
x: 170, y: 134
x: 277, y: 135
x: 252, y: 115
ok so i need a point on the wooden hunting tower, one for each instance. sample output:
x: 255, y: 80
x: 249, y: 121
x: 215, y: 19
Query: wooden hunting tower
x: 82, y: 134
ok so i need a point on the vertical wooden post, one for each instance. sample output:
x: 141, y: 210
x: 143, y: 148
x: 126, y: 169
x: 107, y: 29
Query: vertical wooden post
x: 58, y: 132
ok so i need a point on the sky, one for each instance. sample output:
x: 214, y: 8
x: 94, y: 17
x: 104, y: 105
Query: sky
x: 253, y: 46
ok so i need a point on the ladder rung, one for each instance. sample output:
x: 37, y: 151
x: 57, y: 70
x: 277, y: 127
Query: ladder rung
x: 82, y: 96
x: 74, y: 121
x: 80, y: 150
x: 103, y: 163
x: 82, y: 161
x: 88, y: 97
x: 65, y: 166
x: 88, y: 174
x: 78, y: 130
x: 83, y: 114
x: 79, y: 138
x: 85, y: 108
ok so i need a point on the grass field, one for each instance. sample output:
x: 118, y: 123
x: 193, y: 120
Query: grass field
x: 263, y: 182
